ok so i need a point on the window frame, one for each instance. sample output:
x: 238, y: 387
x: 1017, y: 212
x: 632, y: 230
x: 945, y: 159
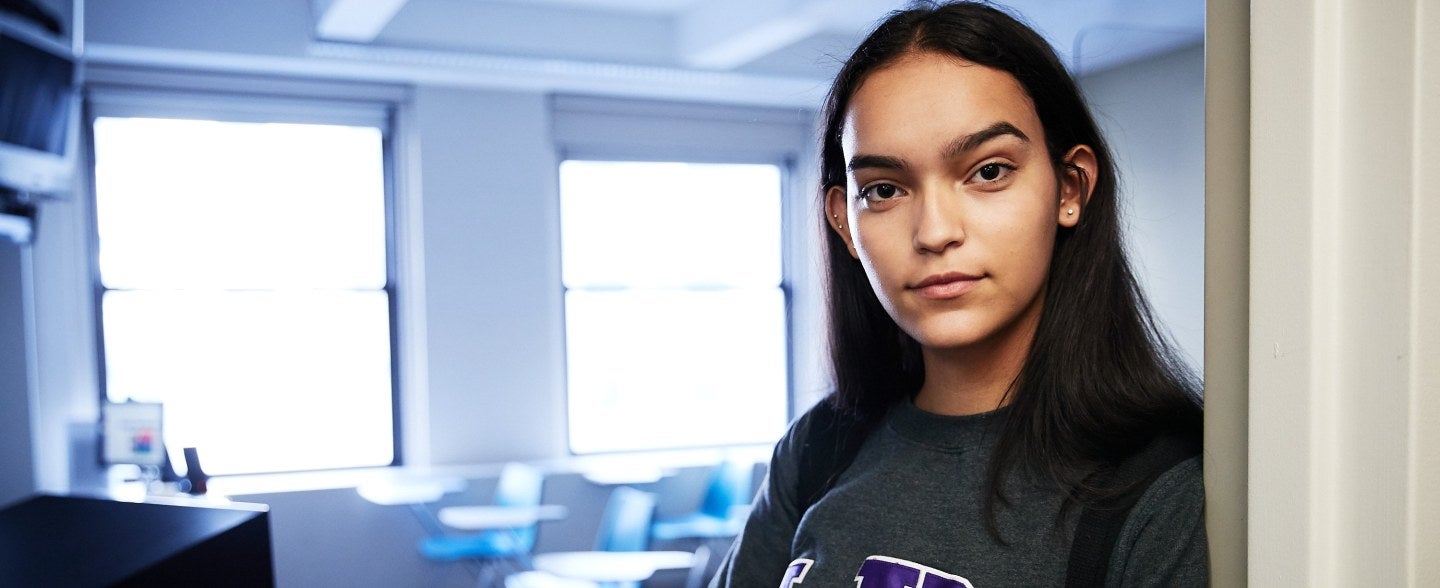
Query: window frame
x: 172, y: 95
x: 633, y: 130
x: 783, y: 285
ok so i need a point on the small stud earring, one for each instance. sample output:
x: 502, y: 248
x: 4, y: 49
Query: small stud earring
x: 1071, y: 211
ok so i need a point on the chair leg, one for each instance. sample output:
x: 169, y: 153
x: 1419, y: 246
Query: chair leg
x: 696, y: 575
x: 493, y: 572
x: 427, y: 519
x: 490, y: 575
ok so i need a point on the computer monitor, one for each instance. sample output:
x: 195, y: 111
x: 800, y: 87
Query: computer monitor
x: 39, y: 110
x: 133, y: 433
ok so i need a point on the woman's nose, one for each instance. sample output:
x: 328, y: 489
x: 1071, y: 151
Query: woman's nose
x: 939, y: 222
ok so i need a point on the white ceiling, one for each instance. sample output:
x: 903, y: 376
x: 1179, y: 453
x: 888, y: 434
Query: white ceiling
x: 798, y: 40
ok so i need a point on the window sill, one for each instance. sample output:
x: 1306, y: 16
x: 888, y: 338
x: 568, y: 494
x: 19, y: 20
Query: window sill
x: 610, y: 469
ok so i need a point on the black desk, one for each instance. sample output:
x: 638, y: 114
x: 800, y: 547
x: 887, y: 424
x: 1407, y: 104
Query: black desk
x: 74, y: 541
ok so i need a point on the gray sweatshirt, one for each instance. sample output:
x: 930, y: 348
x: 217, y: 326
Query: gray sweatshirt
x: 909, y: 512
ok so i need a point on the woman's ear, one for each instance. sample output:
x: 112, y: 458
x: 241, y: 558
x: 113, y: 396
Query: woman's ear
x: 837, y: 213
x: 1077, y: 182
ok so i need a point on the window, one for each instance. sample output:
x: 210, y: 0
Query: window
x: 675, y: 302
x: 243, y: 282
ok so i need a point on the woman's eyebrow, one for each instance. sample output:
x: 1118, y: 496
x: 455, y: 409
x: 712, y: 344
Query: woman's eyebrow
x: 862, y: 161
x: 968, y: 142
x: 955, y: 148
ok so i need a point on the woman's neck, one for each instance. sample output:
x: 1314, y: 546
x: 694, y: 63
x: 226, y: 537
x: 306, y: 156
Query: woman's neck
x: 976, y: 378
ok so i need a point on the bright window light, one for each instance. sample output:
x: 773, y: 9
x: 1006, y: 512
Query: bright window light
x: 675, y: 306
x: 243, y: 268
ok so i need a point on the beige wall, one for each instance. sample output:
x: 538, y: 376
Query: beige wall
x: 1422, y: 491
x: 1227, y: 243
x: 1341, y: 411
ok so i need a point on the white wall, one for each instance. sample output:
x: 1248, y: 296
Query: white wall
x: 16, y: 372
x: 493, y: 331
x: 1153, y: 114
x: 49, y: 278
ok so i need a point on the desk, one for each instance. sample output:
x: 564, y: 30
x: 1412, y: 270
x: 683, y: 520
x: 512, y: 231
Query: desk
x: 482, y: 518
x: 392, y: 492
x: 76, y: 541
x: 624, y: 475
x: 611, y: 566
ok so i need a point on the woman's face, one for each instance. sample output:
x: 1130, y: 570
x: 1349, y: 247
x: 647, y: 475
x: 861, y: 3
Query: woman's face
x: 952, y: 203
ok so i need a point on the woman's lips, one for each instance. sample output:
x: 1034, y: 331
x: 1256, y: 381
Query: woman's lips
x: 946, y: 286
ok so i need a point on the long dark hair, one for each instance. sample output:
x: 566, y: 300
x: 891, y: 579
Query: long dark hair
x: 1100, y: 379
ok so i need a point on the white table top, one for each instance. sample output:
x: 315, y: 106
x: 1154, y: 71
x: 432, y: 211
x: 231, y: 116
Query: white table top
x: 479, y: 518
x: 613, y: 474
x: 408, y: 491
x: 611, y: 566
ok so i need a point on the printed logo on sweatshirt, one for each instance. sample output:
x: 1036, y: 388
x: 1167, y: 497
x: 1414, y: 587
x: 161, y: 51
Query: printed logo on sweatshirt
x: 795, y: 574
x: 880, y: 571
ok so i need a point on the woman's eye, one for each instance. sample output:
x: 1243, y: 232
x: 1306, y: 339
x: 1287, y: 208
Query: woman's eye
x: 879, y: 191
x: 992, y: 172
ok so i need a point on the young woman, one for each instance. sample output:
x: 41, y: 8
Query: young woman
x: 998, y: 376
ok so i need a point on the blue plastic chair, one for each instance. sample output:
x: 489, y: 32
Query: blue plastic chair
x: 722, y: 512
x: 625, y: 524
x: 624, y: 527
x: 519, y: 485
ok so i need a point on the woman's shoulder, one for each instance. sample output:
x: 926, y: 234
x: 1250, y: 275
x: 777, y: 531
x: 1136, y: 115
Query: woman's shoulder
x: 806, y: 434
x: 814, y: 421
x: 1169, y: 473
x: 1163, y: 542
x: 819, y: 445
x: 1180, y: 484
x: 824, y: 425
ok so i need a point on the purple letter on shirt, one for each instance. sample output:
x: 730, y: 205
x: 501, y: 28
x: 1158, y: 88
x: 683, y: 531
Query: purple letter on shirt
x: 887, y: 572
x: 795, y: 574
